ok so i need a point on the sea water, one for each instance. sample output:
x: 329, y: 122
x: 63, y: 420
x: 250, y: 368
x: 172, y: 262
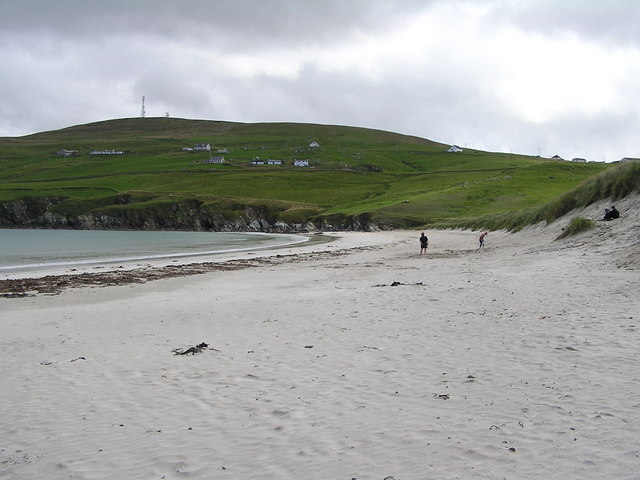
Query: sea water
x: 42, y: 249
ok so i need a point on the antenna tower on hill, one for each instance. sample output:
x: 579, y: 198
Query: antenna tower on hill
x: 142, y: 112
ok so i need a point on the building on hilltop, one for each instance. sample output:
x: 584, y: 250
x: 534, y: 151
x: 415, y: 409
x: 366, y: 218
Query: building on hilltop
x: 198, y: 147
x: 106, y: 152
x: 67, y: 153
x: 215, y: 160
x: 629, y: 159
x: 579, y: 160
x: 301, y: 163
x: 557, y: 157
x: 314, y: 144
x: 454, y: 149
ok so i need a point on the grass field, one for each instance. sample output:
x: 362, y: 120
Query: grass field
x: 394, y: 179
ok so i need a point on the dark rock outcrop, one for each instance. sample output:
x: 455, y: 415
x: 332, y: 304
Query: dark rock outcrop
x: 122, y: 213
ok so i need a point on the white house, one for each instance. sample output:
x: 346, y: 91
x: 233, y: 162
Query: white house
x: 557, y: 157
x: 201, y: 147
x: 314, y: 144
x: 454, y: 149
x: 215, y: 160
x: 106, y: 152
x: 629, y: 159
x: 274, y: 162
x: 301, y: 163
x: 579, y: 160
x: 67, y: 153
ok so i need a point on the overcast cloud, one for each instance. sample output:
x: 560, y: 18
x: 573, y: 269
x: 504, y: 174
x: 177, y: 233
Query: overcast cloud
x: 522, y: 76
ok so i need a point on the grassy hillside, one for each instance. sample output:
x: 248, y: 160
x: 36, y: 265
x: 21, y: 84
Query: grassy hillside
x: 612, y: 184
x: 394, y: 179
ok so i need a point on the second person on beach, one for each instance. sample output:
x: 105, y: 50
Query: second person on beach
x: 481, y: 240
x: 424, y: 243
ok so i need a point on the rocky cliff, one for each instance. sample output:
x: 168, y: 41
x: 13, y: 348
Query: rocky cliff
x: 122, y: 213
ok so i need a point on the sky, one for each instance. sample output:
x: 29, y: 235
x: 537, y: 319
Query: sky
x: 534, y: 77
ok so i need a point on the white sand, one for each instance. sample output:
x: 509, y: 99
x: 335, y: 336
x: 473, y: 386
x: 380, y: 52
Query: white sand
x: 520, y: 362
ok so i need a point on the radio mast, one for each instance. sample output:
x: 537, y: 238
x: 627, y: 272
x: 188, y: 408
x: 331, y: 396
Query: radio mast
x: 142, y: 112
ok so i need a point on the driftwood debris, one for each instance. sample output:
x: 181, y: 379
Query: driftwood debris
x: 191, y: 350
x: 397, y: 284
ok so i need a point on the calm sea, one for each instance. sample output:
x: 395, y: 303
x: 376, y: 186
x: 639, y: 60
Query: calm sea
x: 42, y: 249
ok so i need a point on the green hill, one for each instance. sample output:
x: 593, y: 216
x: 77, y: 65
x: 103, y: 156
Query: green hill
x: 356, y: 177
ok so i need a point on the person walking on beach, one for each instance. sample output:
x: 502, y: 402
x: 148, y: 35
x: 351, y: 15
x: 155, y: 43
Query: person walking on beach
x: 481, y: 240
x: 424, y: 243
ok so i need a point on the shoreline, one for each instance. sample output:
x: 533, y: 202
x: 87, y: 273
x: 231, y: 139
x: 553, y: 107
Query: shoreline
x: 131, y: 262
x: 55, y: 280
x: 54, y: 284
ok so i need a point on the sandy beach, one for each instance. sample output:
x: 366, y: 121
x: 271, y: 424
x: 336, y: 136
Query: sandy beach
x: 353, y: 359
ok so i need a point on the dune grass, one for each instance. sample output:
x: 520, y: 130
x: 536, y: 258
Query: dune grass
x: 613, y: 183
x: 577, y: 225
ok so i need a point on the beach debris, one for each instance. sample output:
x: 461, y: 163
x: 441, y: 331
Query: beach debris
x: 367, y: 347
x: 443, y: 396
x: 397, y: 284
x: 79, y: 358
x: 17, y: 295
x: 46, y: 363
x: 191, y: 350
x: 308, y: 346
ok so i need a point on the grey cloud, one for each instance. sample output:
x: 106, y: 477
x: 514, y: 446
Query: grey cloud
x: 235, y: 24
x: 243, y: 24
x: 613, y: 21
x: 76, y: 61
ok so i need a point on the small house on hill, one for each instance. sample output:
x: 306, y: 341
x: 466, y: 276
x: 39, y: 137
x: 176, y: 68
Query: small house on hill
x: 314, y: 144
x: 67, y: 153
x: 579, y: 160
x: 201, y: 147
x: 557, y: 157
x: 274, y: 162
x: 215, y: 160
x: 106, y: 152
x: 301, y: 163
x: 629, y: 159
x: 454, y: 149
